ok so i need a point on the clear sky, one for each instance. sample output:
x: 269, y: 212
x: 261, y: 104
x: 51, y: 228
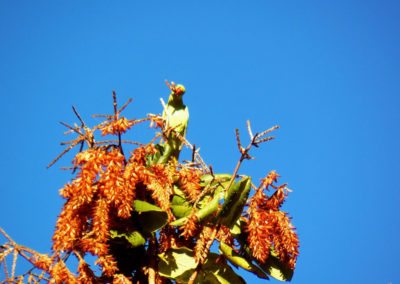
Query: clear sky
x: 327, y: 72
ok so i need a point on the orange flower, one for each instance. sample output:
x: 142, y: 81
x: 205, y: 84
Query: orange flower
x: 191, y: 227
x: 189, y: 180
x: 159, y: 179
x: 42, y: 261
x: 121, y: 279
x: 116, y: 127
x: 86, y: 275
x: 203, y: 244
x: 268, y: 228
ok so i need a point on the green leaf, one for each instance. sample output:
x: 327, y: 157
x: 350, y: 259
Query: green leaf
x: 208, y: 209
x: 150, y: 217
x: 181, y: 211
x: 177, y: 263
x: 215, y: 179
x: 234, y: 203
x: 180, y: 207
x: 134, y: 238
x: 240, y: 261
x: 273, y: 266
x: 236, y: 229
x: 143, y: 206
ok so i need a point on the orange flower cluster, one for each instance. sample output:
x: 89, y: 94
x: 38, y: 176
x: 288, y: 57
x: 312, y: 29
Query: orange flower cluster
x: 84, y: 222
x: 56, y: 268
x: 99, y: 217
x: 116, y: 127
x: 191, y: 227
x: 270, y: 229
x: 203, y: 244
x: 189, y: 183
x: 102, y: 195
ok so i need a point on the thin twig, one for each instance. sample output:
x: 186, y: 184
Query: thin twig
x: 78, y: 116
x: 163, y: 104
x: 14, y: 263
x: 7, y: 237
x: 114, y: 95
x: 193, y: 152
x: 268, y: 130
x: 249, y: 129
x: 125, y: 105
x: 239, y: 144
x: 116, y: 141
x: 74, y: 129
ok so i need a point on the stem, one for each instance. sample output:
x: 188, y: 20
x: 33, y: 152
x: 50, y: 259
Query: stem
x: 152, y: 262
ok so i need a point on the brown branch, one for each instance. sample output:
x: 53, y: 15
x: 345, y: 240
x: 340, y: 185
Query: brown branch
x: 78, y: 116
x: 125, y: 105
x: 7, y: 237
x: 249, y: 129
x: 255, y: 140
x: 152, y: 263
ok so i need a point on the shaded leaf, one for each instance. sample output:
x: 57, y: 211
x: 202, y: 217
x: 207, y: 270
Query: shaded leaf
x: 150, y: 217
x: 274, y: 267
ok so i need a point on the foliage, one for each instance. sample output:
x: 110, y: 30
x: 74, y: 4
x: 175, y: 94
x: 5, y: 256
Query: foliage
x: 147, y: 221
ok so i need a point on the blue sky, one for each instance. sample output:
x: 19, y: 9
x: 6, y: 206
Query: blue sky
x: 326, y: 71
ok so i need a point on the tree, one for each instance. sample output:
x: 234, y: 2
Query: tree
x: 148, y: 218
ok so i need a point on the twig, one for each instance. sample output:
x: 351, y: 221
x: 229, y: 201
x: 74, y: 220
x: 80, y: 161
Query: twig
x: 116, y: 141
x: 249, y: 129
x: 7, y: 237
x: 125, y: 105
x: 255, y: 140
x: 14, y: 263
x: 193, y: 152
x: 78, y: 116
x: 152, y: 262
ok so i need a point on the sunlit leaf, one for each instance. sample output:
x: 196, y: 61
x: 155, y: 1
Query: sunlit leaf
x: 135, y: 238
x: 240, y: 261
x: 216, y: 178
x: 221, y: 270
x: 180, y: 207
x: 235, y: 201
x: 177, y: 263
x: 208, y: 209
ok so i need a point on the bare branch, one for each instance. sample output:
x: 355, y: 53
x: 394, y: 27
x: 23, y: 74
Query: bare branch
x: 267, y: 131
x: 265, y: 139
x: 78, y: 116
x: 239, y: 144
x: 125, y: 105
x: 114, y: 95
x: 249, y: 129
